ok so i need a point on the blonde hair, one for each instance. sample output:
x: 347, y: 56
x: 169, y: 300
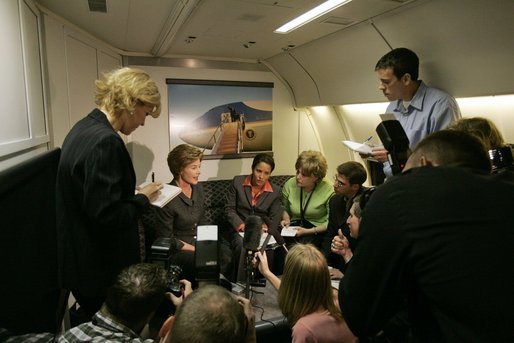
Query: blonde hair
x: 482, y: 128
x: 305, y: 285
x: 120, y: 89
x: 312, y: 163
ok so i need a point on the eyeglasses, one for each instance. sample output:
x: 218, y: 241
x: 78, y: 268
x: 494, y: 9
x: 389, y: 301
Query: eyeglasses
x: 338, y: 183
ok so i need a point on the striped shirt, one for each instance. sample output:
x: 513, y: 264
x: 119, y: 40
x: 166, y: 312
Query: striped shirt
x: 101, y: 329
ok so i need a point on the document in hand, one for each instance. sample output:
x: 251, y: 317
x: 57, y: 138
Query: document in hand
x: 358, y: 147
x: 289, y: 231
x: 168, y: 192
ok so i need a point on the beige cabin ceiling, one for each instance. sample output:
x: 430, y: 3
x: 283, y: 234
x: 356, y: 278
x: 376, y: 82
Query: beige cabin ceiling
x: 222, y: 28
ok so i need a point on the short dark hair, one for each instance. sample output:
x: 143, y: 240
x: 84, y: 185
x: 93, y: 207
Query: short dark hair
x: 265, y: 158
x: 361, y: 200
x: 402, y: 61
x: 353, y: 171
x: 454, y: 148
x: 209, y: 314
x: 181, y: 156
x: 136, y: 293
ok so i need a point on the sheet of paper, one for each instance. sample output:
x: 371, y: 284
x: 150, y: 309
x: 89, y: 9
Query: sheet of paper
x: 387, y: 116
x: 168, y: 192
x: 358, y: 147
x: 289, y: 231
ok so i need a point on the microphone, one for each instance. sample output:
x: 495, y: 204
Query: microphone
x: 251, y: 242
x: 252, y: 234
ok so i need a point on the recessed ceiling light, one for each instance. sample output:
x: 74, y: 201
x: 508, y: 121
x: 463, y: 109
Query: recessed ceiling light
x: 308, y: 16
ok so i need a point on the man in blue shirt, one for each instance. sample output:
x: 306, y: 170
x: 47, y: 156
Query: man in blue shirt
x: 421, y: 110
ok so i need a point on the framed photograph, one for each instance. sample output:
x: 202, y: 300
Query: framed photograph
x: 225, y: 119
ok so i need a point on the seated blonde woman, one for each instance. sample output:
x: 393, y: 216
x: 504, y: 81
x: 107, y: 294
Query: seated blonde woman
x: 306, y: 198
x: 306, y: 297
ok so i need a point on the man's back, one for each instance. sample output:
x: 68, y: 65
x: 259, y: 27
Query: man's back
x: 442, y: 237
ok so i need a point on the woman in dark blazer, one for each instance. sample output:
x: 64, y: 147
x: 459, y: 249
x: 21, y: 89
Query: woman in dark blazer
x: 180, y: 218
x: 97, y: 205
x: 253, y: 195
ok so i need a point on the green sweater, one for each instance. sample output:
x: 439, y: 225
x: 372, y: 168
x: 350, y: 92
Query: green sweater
x: 317, y: 208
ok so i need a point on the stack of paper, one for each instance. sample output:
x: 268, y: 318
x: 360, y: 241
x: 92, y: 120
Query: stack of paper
x: 168, y: 192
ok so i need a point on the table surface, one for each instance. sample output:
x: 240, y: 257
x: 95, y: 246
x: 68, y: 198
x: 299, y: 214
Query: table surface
x: 265, y: 307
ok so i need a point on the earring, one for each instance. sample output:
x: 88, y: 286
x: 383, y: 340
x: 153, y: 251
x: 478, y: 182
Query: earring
x: 131, y: 113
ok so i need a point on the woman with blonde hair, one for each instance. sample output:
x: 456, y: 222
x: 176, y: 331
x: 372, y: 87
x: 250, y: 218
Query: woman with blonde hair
x: 305, y: 198
x: 97, y: 205
x: 482, y: 128
x: 306, y: 297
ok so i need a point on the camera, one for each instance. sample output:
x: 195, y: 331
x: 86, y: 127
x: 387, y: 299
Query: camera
x: 174, y: 285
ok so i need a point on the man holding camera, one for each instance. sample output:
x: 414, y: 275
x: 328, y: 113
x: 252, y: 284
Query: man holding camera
x: 130, y: 304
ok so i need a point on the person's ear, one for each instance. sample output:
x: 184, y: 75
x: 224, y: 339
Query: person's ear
x: 406, y: 78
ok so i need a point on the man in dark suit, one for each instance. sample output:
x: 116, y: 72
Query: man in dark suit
x: 347, y: 185
x: 440, y: 236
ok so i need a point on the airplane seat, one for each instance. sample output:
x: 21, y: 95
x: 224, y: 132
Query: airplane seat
x: 215, y: 196
x: 32, y: 301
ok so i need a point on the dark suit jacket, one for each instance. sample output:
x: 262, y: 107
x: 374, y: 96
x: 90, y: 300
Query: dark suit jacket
x: 180, y: 218
x: 339, y: 210
x: 239, y: 204
x: 97, y: 209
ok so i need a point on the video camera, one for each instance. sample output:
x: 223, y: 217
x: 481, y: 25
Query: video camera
x: 174, y: 285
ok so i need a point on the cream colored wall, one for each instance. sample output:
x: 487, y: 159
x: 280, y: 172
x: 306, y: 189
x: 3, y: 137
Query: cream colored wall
x: 24, y: 132
x: 74, y: 60
x: 150, y: 144
x: 360, y: 120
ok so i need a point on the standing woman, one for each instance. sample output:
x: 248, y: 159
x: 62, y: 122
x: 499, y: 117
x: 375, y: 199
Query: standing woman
x: 306, y: 198
x: 306, y: 297
x: 180, y: 218
x: 253, y: 195
x: 97, y: 204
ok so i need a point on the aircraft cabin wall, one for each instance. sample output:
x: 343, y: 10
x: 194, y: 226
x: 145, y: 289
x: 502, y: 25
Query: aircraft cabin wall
x: 465, y: 47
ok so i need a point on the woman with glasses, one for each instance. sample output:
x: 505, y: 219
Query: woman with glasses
x: 305, y: 198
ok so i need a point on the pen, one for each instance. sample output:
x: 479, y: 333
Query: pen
x: 153, y: 177
x: 367, y: 140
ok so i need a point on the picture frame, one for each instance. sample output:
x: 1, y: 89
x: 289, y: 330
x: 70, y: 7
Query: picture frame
x: 225, y: 119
